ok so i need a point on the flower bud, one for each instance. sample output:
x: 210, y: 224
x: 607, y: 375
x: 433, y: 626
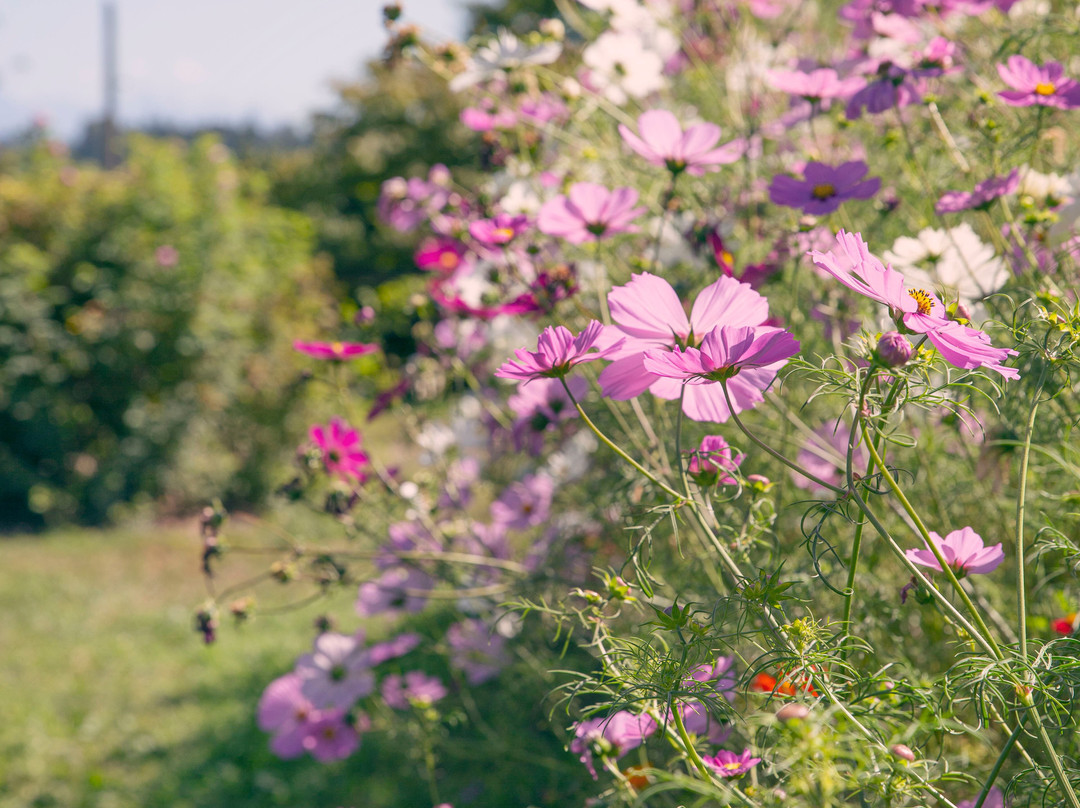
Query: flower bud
x: 893, y: 349
x: 903, y: 752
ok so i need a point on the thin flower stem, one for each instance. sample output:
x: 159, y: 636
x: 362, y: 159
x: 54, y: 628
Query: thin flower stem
x: 691, y: 752
x: 791, y: 465
x: 1014, y: 736
x: 925, y: 534
x: 1021, y: 496
x: 667, y: 489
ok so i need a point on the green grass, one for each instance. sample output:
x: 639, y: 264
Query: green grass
x: 109, y: 698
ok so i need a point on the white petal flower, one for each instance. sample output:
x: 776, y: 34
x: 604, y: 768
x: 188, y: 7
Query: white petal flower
x: 506, y: 52
x: 622, y: 66
x: 956, y: 260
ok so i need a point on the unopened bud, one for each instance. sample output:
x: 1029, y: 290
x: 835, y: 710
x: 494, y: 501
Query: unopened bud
x: 759, y: 482
x: 893, y: 349
x: 903, y: 752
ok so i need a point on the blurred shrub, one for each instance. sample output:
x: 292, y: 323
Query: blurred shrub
x: 146, y: 316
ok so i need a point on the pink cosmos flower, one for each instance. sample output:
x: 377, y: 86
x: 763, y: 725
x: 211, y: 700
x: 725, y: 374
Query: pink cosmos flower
x: 982, y: 194
x: 284, y: 711
x: 814, y: 86
x: 612, y: 736
x: 440, y: 254
x: 662, y: 142
x: 824, y: 187
x: 1046, y: 86
x: 918, y: 310
x: 648, y: 316
x: 725, y: 351
x: 331, y: 737
x: 336, y: 673
x: 540, y: 407
x: 886, y: 87
x: 340, y: 447
x: 476, y: 651
x: 589, y: 212
x: 712, y: 461
x: 398, y: 589
x: 728, y: 764
x: 557, y: 350
x: 416, y: 687
x: 825, y: 456
x: 334, y: 350
x: 500, y: 230
x: 963, y: 550
x: 717, y: 675
x: 393, y: 648
x: 480, y: 119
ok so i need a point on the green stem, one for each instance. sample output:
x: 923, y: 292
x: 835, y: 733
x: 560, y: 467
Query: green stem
x: 1021, y: 496
x: 691, y: 752
x: 617, y: 449
x: 1014, y: 736
x: 791, y: 465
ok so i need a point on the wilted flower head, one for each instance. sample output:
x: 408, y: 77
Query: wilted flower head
x: 963, y: 550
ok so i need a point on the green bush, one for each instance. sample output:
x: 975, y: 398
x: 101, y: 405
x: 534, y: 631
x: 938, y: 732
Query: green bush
x: 146, y: 316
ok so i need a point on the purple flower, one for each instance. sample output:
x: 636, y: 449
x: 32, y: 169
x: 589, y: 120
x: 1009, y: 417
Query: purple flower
x: 662, y: 142
x: 824, y: 187
x: 963, y: 550
x: 540, y: 406
x: 416, y: 687
x: 728, y: 764
x: 334, y: 350
x: 340, y: 447
x: 1045, y: 86
x: 557, y: 350
x: 709, y: 465
x: 392, y: 649
x: 331, y: 737
x: 589, y: 212
x: 524, y: 504
x: 484, y: 120
x: 475, y: 651
x: 396, y: 590
x: 611, y: 737
x: 284, y: 711
x: 983, y: 194
x: 336, y: 673
x: 889, y: 86
x: 994, y: 799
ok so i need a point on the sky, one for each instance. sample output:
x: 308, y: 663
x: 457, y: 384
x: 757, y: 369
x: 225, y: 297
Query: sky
x: 271, y: 62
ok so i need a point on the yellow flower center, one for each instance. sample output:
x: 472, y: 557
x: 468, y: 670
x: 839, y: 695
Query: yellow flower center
x: 338, y: 348
x: 923, y: 298
x: 731, y: 767
x: 448, y: 260
x: 1045, y: 88
x: 823, y: 191
x: 505, y: 233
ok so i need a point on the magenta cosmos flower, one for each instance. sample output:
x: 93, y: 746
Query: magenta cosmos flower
x: 1045, y: 86
x: 334, y: 350
x: 814, y: 86
x: 725, y: 352
x: 610, y: 737
x: 649, y: 316
x: 662, y: 142
x: 824, y: 187
x: 557, y: 350
x: 918, y: 310
x: 500, y: 230
x: 340, y: 447
x: 589, y: 212
x: 982, y: 194
x: 963, y: 550
x: 728, y: 764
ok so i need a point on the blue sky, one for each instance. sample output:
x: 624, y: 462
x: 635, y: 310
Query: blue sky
x: 193, y: 61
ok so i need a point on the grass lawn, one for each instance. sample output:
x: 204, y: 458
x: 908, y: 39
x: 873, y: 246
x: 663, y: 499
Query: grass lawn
x: 109, y: 698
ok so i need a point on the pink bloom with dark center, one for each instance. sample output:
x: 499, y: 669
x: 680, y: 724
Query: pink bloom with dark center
x: 649, y: 316
x: 416, y: 687
x: 662, y: 142
x: 440, y: 254
x: 725, y: 351
x: 485, y: 120
x: 887, y: 87
x: 712, y: 461
x: 330, y: 737
x: 815, y: 85
x: 918, y: 310
x: 557, y: 351
x: 334, y: 350
x: 500, y: 230
x: 612, y: 736
x: 284, y: 711
x: 340, y: 447
x: 728, y: 764
x: 1046, y: 86
x: 963, y: 550
x: 824, y: 187
x: 590, y: 212
x: 981, y: 195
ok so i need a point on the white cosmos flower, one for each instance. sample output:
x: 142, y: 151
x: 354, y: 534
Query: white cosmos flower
x: 622, y: 65
x: 955, y: 259
x: 504, y: 53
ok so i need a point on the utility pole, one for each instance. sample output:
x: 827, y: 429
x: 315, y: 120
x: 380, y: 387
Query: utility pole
x: 109, y: 148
